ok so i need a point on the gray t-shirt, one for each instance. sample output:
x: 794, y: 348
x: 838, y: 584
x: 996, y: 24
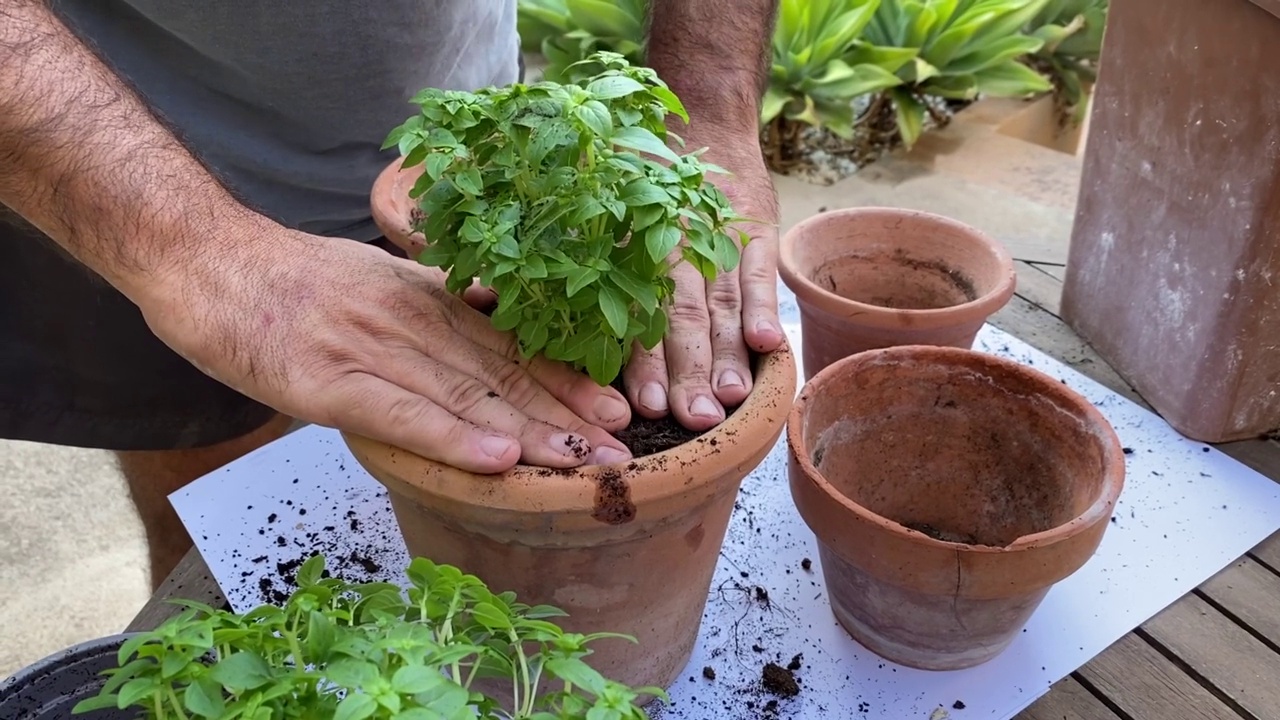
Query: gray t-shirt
x: 289, y: 100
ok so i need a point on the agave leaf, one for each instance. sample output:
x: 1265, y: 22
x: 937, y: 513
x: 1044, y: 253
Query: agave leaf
x: 775, y: 98
x: 910, y: 115
x: 1011, y: 79
x: 607, y: 19
x: 841, y: 82
x: 919, y: 26
x: 1053, y: 35
x: 539, y: 19
x: 891, y: 59
x: 952, y: 87
x: 1087, y: 44
x: 838, y: 36
x: 837, y: 117
x: 1013, y: 16
x: 949, y: 42
x: 994, y: 53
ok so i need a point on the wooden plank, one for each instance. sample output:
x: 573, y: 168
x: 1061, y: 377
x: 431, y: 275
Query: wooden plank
x: 190, y: 580
x: 1054, y: 270
x: 1068, y: 700
x: 1244, y: 670
x: 1250, y: 594
x: 1268, y: 552
x: 1039, y: 288
x: 1145, y: 685
x: 1046, y: 333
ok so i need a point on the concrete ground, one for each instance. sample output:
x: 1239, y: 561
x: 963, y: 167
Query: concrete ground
x: 72, y: 557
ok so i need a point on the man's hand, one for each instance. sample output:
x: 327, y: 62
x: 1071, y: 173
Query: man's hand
x: 325, y: 330
x: 346, y: 335
x: 715, y: 54
x: 702, y: 366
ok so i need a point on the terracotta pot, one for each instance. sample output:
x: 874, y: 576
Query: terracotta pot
x: 391, y: 205
x: 868, y: 278
x: 628, y: 548
x: 948, y: 490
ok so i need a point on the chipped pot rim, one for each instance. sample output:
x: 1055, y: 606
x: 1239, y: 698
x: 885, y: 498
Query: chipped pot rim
x: 1113, y: 459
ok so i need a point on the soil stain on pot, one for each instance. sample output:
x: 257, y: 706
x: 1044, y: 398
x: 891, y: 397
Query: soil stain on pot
x: 613, y: 498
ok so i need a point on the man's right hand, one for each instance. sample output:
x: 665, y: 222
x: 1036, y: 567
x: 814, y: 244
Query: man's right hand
x: 345, y: 335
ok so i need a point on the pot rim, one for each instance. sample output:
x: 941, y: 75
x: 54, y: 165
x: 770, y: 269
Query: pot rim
x: 810, y: 293
x: 524, y: 488
x: 1113, y: 467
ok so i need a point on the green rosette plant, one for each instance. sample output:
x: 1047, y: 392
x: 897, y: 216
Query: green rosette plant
x: 568, y: 202
x: 817, y: 71
x: 369, y: 651
x: 963, y: 49
x: 1072, y: 31
x: 567, y: 32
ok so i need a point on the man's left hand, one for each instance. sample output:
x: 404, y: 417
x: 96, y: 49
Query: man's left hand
x: 703, y: 365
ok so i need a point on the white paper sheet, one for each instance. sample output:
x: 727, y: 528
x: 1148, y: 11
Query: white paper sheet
x: 1187, y: 511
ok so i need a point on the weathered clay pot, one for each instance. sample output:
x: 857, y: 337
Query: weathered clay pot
x: 948, y: 490
x: 50, y: 688
x: 868, y: 278
x: 391, y: 205
x: 627, y: 548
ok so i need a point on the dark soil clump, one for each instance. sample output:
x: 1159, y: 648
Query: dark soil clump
x: 650, y: 437
x: 779, y: 681
x: 709, y: 672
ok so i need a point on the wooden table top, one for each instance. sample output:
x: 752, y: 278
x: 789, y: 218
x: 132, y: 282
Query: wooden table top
x: 1212, y: 655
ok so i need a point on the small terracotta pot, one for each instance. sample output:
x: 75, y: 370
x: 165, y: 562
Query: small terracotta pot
x: 391, y: 205
x: 627, y: 548
x: 868, y: 278
x: 948, y: 490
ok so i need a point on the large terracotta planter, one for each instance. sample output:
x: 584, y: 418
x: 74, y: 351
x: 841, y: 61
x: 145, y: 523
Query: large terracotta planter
x: 948, y: 490
x: 868, y: 278
x: 627, y: 548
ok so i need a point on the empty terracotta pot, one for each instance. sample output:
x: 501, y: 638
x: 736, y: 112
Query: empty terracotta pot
x: 948, y: 490
x: 628, y: 548
x: 868, y: 278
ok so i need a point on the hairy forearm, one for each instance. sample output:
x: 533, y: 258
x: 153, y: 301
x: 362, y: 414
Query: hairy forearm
x: 83, y: 159
x: 715, y: 54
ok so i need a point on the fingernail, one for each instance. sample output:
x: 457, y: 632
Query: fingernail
x: 570, y: 445
x: 605, y: 455
x: 766, y: 327
x: 494, y: 446
x: 704, y: 406
x: 609, y: 408
x: 653, y: 397
x: 729, y: 379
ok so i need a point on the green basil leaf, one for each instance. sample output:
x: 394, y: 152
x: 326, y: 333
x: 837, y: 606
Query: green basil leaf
x: 615, y: 308
x: 355, y: 706
x: 640, y: 139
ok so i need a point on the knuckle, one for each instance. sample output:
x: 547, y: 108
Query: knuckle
x: 725, y: 298
x: 689, y: 309
x: 402, y: 412
x: 512, y: 383
x: 464, y: 396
